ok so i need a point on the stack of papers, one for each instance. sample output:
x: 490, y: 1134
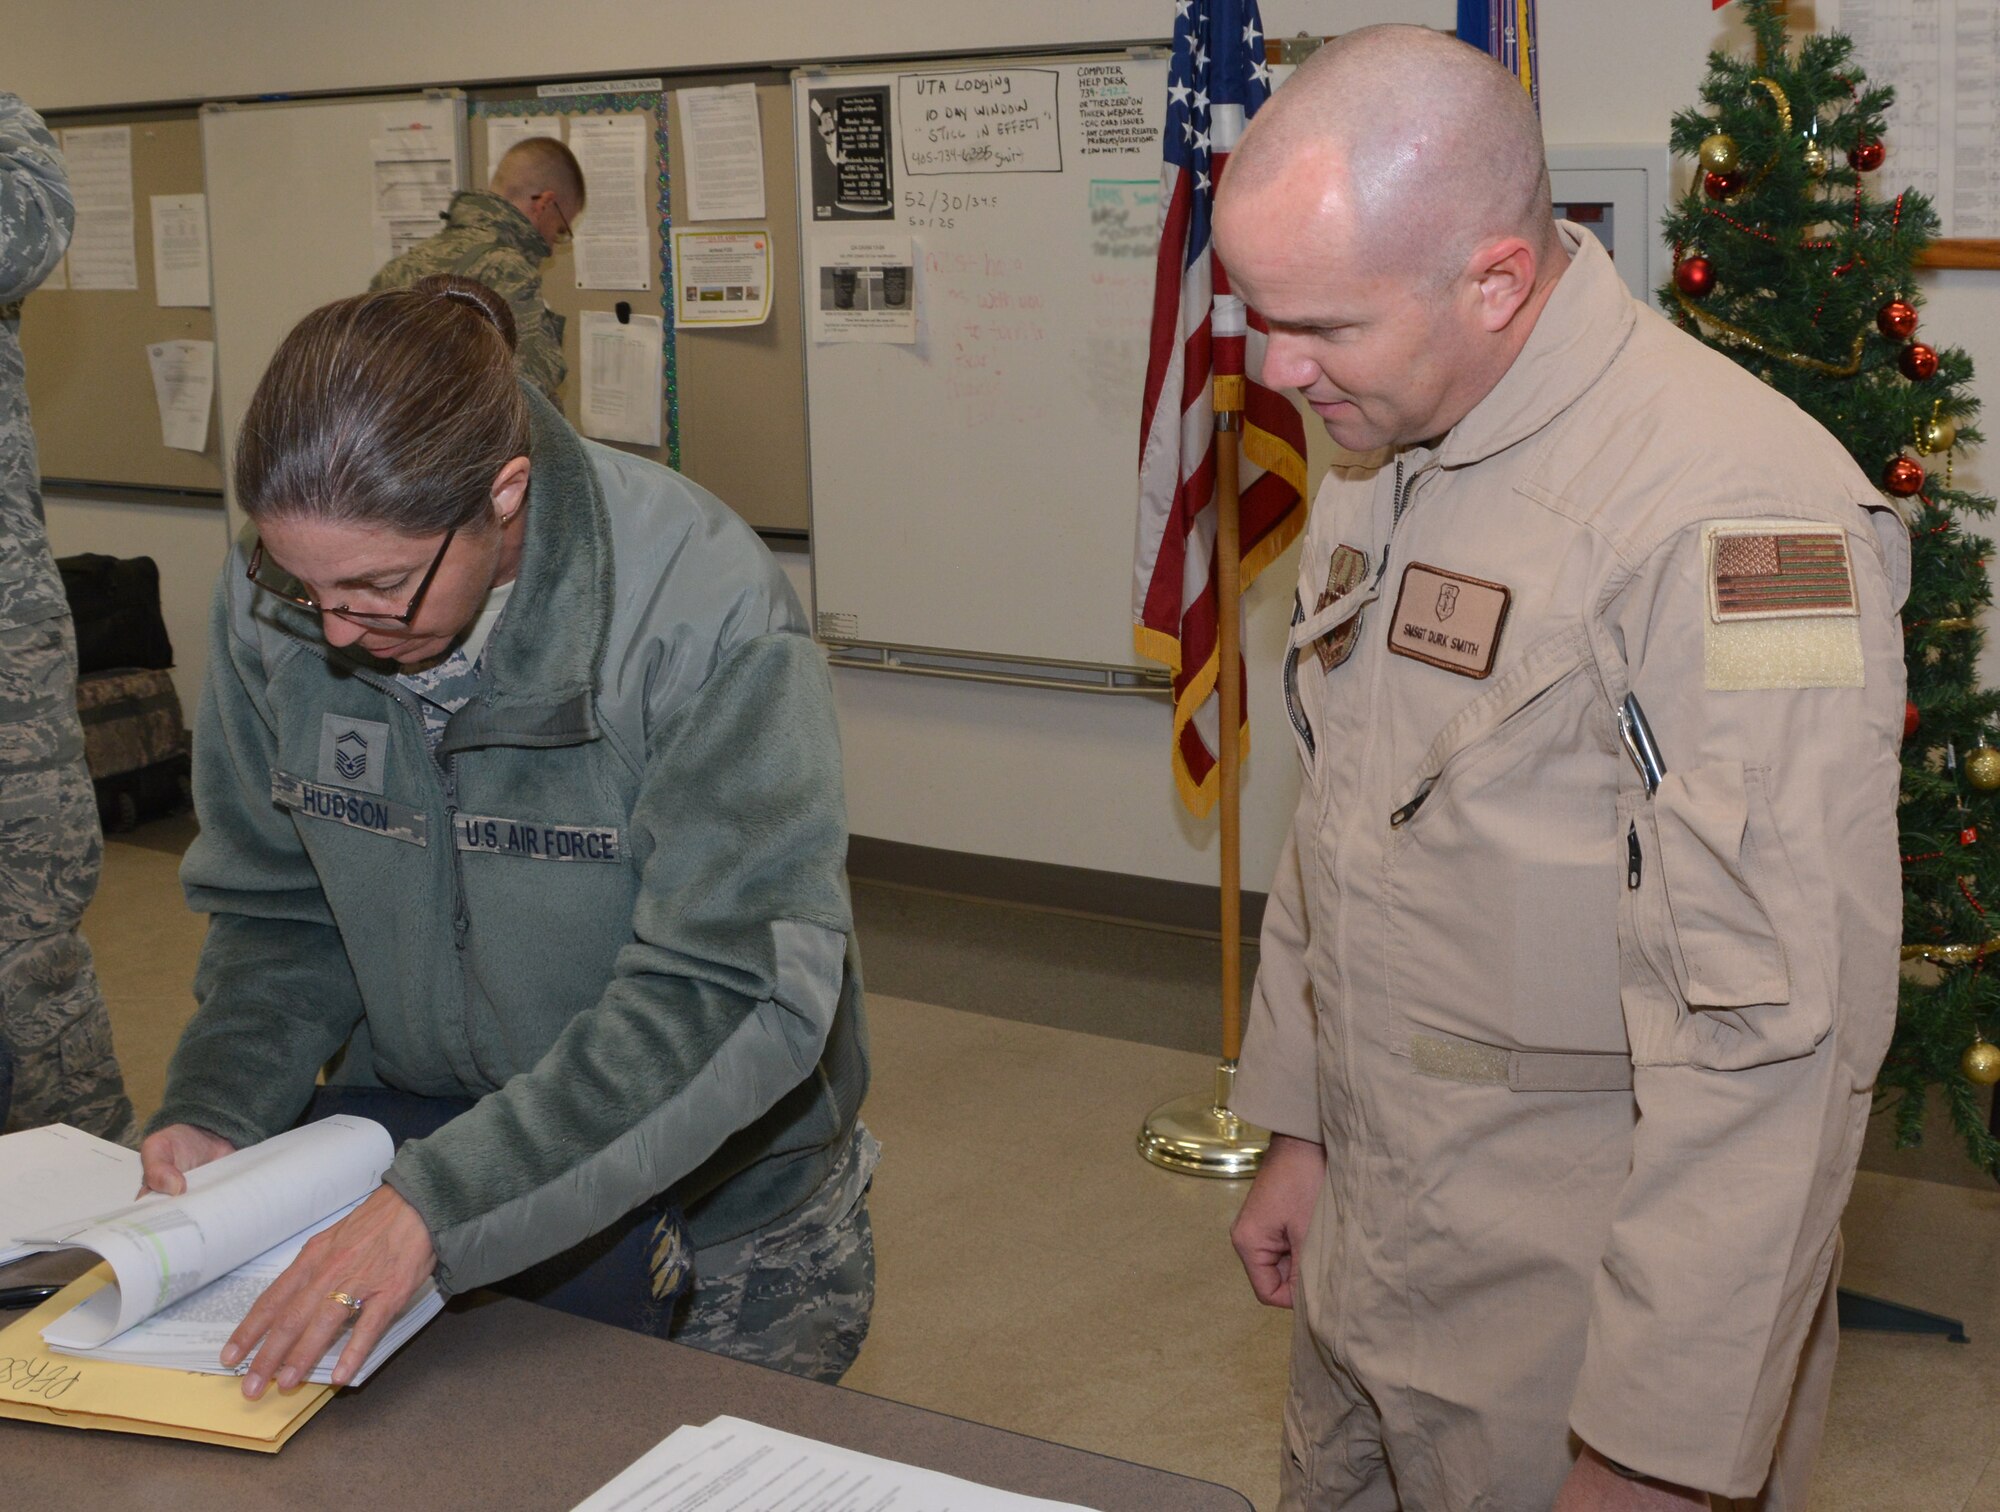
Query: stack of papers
x: 186, y: 1269
x: 750, y: 1468
x: 189, y: 1334
x: 49, y: 1177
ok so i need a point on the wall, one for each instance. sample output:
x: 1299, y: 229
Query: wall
x: 1070, y: 778
x: 112, y: 52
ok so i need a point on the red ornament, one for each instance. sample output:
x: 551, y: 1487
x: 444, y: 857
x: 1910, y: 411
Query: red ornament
x: 1910, y: 718
x: 1694, y: 277
x: 1897, y: 319
x: 1720, y: 186
x: 1866, y: 157
x: 1969, y: 835
x: 1902, y: 477
x: 1917, y: 361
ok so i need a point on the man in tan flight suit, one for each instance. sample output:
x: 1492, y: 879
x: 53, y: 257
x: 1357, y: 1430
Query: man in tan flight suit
x: 1567, y: 1081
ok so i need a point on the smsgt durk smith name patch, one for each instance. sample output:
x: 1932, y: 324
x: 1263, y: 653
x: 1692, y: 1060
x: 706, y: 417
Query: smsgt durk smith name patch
x: 1449, y: 620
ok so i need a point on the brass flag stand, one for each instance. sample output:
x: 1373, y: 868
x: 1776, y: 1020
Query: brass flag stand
x: 1198, y: 1135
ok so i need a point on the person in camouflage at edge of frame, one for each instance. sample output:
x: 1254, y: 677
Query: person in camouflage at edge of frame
x: 501, y: 237
x: 53, y: 1022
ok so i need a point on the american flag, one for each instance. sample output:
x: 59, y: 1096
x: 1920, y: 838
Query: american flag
x: 1506, y: 30
x: 1201, y: 332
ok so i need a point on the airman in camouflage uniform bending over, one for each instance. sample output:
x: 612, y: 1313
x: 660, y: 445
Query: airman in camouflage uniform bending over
x: 53, y: 1023
x: 502, y: 237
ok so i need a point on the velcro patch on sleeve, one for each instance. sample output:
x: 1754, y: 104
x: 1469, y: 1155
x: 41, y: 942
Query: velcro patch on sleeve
x: 1782, y: 607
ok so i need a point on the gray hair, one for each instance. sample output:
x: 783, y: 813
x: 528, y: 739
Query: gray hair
x: 396, y: 408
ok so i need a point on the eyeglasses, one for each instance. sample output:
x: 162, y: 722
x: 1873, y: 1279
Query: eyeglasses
x: 568, y: 235
x: 364, y: 617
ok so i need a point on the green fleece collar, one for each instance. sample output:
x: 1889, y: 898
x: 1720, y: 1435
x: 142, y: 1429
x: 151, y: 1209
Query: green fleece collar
x: 540, y: 667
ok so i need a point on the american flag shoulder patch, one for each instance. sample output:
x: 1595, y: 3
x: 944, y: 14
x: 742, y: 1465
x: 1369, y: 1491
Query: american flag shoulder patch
x: 1774, y: 569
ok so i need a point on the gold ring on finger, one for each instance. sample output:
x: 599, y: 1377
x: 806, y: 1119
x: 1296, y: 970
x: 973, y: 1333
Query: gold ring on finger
x: 351, y: 1303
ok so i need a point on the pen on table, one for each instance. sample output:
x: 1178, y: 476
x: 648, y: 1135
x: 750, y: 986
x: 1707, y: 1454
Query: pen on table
x: 25, y: 1296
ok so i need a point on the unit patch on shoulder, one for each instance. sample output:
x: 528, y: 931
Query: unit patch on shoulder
x: 1782, y: 606
x: 1346, y: 570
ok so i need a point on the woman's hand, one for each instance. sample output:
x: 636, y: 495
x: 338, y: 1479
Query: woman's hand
x: 378, y: 1254
x: 165, y: 1158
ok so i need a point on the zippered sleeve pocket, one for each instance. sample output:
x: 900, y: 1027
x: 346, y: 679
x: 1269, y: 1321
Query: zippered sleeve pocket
x: 1707, y: 927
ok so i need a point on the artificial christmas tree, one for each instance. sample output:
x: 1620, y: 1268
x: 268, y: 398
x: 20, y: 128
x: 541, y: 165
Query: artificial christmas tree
x: 1790, y: 258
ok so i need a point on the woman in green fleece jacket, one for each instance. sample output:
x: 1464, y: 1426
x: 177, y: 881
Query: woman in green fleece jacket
x: 520, y: 803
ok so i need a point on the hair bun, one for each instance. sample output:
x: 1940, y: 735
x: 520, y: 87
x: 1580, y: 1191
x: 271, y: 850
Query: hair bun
x: 470, y: 291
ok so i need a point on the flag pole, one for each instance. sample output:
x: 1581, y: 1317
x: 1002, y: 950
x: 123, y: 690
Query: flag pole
x: 1198, y: 1135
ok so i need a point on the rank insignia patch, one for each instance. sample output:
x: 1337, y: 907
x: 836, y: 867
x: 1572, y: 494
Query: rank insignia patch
x: 1788, y: 572
x: 1346, y: 570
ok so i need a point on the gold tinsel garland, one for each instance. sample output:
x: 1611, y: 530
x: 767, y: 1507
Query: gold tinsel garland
x: 1950, y: 955
x: 1742, y: 337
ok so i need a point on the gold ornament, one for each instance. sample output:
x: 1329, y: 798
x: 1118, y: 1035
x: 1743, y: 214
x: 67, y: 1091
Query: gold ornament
x: 1718, y: 153
x: 1818, y: 160
x: 1937, y: 436
x: 1981, y: 1063
x: 1982, y: 766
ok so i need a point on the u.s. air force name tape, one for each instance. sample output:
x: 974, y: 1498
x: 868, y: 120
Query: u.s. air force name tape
x: 362, y: 811
x: 537, y: 842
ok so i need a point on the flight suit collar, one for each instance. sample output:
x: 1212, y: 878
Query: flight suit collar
x: 1587, y: 321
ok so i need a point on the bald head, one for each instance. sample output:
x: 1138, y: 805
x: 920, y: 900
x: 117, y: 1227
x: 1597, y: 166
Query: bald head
x: 538, y: 166
x: 1425, y: 147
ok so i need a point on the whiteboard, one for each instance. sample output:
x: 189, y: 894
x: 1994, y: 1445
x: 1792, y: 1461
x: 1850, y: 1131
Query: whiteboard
x: 974, y: 492
x: 292, y: 225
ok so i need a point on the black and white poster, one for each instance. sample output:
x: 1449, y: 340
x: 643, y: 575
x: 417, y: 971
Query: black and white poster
x: 850, y: 156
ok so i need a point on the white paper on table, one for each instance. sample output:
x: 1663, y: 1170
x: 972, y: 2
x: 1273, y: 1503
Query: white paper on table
x: 189, y: 1334
x: 161, y: 1249
x: 746, y: 1466
x: 722, y: 278
x: 621, y: 398
x: 864, y: 287
x: 613, y: 246
x: 56, y: 1177
x: 506, y: 132
x: 722, y: 152
x: 180, y: 250
x: 102, y: 251
x: 184, y: 385
x: 415, y: 174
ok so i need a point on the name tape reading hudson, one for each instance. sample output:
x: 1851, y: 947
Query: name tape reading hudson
x: 1449, y: 620
x: 362, y: 811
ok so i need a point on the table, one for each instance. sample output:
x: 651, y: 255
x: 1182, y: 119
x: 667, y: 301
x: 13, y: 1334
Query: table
x: 499, y: 1404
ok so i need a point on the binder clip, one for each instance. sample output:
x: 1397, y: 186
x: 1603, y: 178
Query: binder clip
x: 623, y: 310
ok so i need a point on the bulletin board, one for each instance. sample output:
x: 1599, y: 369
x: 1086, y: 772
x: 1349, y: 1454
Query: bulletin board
x: 90, y: 384
x: 734, y: 399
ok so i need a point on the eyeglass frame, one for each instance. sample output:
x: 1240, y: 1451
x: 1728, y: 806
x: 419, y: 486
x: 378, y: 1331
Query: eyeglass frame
x: 555, y: 201
x: 366, y: 619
